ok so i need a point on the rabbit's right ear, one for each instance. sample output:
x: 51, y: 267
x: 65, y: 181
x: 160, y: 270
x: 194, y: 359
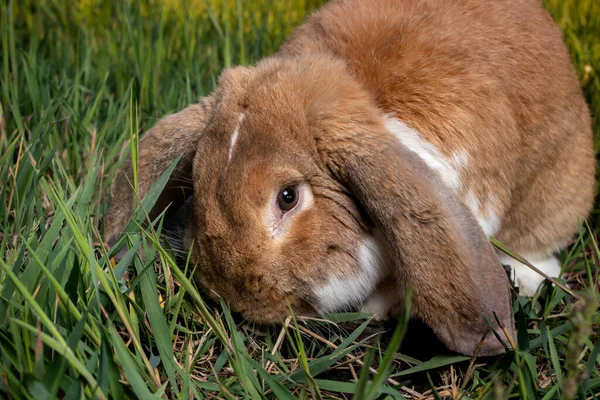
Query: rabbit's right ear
x: 173, y: 136
x: 439, y: 250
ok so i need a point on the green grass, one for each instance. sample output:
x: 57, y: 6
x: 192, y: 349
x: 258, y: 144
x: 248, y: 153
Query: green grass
x: 78, y: 79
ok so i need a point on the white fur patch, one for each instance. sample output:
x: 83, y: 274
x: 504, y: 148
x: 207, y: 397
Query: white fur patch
x: 448, y: 169
x: 378, y: 303
x: 344, y: 292
x: 487, y: 218
x: 527, y: 279
x: 234, y: 135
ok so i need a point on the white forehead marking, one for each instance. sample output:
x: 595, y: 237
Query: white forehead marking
x: 235, y: 134
x: 448, y: 169
x: 339, y: 293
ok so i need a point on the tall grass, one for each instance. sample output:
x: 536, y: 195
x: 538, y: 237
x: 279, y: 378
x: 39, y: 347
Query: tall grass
x: 81, y: 79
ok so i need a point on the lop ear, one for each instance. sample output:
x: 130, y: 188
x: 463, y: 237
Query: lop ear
x: 173, y: 136
x: 438, y: 248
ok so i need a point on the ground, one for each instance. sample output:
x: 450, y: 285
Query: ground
x: 78, y: 81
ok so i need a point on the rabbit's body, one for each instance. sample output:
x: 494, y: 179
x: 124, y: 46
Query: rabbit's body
x: 375, y: 153
x: 487, y: 98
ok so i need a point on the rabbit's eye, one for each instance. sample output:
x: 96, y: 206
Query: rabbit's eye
x: 287, y: 198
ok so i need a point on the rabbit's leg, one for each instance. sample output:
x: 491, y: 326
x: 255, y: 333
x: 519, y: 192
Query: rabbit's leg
x: 526, y: 278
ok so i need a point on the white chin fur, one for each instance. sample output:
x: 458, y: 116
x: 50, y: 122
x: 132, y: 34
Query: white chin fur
x: 527, y: 279
x: 340, y: 293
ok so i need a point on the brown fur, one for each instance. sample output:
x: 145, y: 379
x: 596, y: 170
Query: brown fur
x: 491, y: 78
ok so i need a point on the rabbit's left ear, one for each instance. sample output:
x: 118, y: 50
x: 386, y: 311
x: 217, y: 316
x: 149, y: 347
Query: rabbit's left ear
x: 438, y: 248
x: 174, y: 136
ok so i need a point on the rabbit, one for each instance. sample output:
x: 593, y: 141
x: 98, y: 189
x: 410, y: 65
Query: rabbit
x: 377, y: 151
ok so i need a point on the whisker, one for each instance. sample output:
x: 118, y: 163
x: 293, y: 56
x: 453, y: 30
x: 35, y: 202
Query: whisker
x: 301, y: 297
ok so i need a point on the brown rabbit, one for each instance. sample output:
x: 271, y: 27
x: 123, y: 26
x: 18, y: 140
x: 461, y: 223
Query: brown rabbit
x: 376, y: 151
